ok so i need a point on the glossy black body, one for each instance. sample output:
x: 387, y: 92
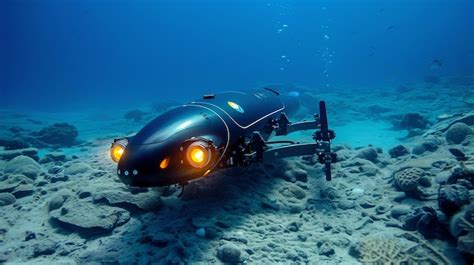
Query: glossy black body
x: 222, y: 120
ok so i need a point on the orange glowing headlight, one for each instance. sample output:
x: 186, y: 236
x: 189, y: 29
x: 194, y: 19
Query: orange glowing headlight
x: 117, y: 149
x: 198, y: 154
x: 164, y: 163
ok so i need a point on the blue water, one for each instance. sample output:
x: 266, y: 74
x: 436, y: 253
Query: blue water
x: 63, y: 55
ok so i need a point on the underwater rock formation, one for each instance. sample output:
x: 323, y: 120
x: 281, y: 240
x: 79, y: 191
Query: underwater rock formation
x: 88, y: 219
x: 6, y: 199
x: 458, y: 132
x: 368, y: 153
x: 10, y: 154
x: 452, y: 197
x: 230, y: 253
x: 409, y: 179
x: 412, y: 121
x: 23, y: 165
x: 13, y: 144
x: 60, y: 134
x: 398, y: 151
x: 422, y: 219
x: 462, y: 227
x: 425, y: 146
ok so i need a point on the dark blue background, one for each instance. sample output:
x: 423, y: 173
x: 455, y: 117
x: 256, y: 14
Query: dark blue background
x: 64, y: 54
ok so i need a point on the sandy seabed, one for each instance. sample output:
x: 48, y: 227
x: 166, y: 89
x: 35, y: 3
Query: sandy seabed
x: 402, y: 190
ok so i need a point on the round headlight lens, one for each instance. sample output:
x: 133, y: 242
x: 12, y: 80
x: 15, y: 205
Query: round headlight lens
x: 117, y: 149
x: 198, y: 154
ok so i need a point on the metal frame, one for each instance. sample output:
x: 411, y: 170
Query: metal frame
x: 257, y: 149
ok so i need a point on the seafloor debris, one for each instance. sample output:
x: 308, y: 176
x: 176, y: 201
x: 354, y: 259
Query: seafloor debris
x: 387, y: 249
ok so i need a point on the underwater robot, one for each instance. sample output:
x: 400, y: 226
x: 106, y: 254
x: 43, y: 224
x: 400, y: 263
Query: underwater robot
x: 222, y: 130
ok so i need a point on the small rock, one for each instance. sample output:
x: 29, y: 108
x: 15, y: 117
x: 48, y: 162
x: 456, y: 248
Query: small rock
x: 425, y: 146
x: 201, y: 232
x: 368, y: 153
x: 398, y: 151
x: 293, y: 191
x: 58, y: 177
x: 423, y: 219
x: 418, y: 149
x: 23, y: 191
x: 296, y: 175
x: 77, y: 168
x: 366, y: 204
x: 381, y: 209
x: 56, y: 170
x: 458, y: 132
x: 346, y: 204
x: 294, y: 226
x: 413, y: 121
x: 84, y: 194
x: 23, y: 165
x: 29, y: 236
x: 13, y: 144
x: 46, y: 247
x: 357, y: 191
x: 89, y: 219
x: 326, y: 250
x: 12, y: 181
x: 61, y: 134
x: 3, y: 258
x: 57, y: 156
x: 399, y: 210
x: 452, y: 197
x: 7, y: 199
x: 230, y: 253
x: 56, y: 202
x: 10, y: 154
x: 211, y: 233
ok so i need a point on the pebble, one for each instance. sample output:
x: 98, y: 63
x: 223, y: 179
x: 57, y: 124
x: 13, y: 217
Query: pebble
x: 399, y: 210
x: 56, y: 202
x: 326, y: 250
x: 7, y: 199
x: 346, y: 204
x: 357, y: 191
x: 230, y: 253
x: 201, y: 232
x: 46, y: 247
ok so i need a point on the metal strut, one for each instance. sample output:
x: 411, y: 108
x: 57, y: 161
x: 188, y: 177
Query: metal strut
x: 257, y: 150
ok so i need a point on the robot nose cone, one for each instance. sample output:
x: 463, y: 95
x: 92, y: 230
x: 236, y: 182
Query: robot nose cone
x: 139, y: 175
x: 137, y: 169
